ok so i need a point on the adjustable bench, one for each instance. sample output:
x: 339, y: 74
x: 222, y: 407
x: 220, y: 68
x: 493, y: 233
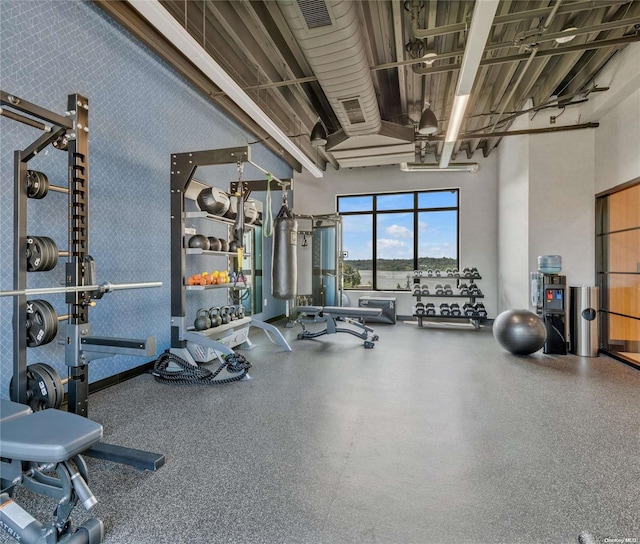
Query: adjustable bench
x: 331, y: 315
x: 33, y: 446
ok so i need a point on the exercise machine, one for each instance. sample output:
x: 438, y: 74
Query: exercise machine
x: 330, y: 316
x: 41, y: 451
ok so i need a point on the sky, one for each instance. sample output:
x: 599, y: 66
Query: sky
x: 437, y: 236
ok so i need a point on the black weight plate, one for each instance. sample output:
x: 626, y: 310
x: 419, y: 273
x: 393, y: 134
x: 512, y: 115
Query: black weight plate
x: 50, y: 254
x: 34, y: 255
x: 42, y: 323
x: 58, y: 386
x: 37, y: 184
x: 41, y: 388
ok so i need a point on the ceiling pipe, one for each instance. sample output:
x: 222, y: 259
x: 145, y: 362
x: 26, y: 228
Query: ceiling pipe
x: 524, y: 56
x: 534, y: 52
x: 480, y: 135
x: 167, y: 25
x: 507, y: 18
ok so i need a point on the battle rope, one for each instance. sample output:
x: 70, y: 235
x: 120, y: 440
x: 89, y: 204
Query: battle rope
x: 190, y: 375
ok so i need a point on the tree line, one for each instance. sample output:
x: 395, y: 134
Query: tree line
x: 401, y: 265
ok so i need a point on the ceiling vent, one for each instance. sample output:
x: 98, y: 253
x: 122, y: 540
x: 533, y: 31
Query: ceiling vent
x: 315, y: 13
x: 353, y: 110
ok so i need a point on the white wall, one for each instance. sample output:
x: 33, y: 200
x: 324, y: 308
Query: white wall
x: 513, y: 221
x: 562, y: 202
x: 478, y: 211
x: 617, y: 139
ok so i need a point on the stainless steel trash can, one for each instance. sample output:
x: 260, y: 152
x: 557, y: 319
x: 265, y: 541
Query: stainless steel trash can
x: 584, y: 322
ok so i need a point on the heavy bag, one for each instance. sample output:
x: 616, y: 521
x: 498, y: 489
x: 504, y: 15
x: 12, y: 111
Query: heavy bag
x: 284, y: 272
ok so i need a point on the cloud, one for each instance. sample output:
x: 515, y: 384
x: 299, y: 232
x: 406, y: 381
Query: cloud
x: 385, y: 243
x: 398, y: 232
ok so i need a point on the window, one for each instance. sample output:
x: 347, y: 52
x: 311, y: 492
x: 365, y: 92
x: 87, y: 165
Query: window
x: 388, y: 236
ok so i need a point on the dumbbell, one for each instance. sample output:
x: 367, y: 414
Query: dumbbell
x: 448, y: 272
x: 437, y: 273
x: 416, y: 289
x: 417, y: 273
x: 439, y: 289
x: 429, y: 273
x: 474, y: 272
x: 448, y: 289
x: 468, y: 310
x: 419, y: 309
x: 464, y: 289
x: 455, y: 309
x: 455, y: 273
x: 466, y: 272
x: 430, y: 309
x: 475, y: 291
x: 480, y: 310
x: 444, y: 309
x: 425, y: 289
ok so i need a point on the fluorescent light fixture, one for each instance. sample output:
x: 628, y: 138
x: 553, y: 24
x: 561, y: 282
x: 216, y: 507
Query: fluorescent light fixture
x: 471, y: 167
x: 457, y: 114
x: 484, y: 12
x: 481, y: 21
x: 171, y: 29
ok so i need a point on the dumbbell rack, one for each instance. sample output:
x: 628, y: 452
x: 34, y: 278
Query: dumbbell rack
x: 474, y: 319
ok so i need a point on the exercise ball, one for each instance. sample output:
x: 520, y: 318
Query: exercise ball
x: 520, y: 332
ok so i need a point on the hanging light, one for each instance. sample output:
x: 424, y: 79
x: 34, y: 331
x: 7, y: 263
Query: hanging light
x: 428, y: 122
x: 318, y: 135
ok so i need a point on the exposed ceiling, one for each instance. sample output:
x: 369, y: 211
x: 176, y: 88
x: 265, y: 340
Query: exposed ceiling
x: 367, y: 69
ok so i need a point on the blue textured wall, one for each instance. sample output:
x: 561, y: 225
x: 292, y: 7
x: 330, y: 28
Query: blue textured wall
x: 140, y: 112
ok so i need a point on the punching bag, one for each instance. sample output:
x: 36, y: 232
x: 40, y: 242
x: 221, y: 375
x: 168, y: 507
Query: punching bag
x: 284, y: 272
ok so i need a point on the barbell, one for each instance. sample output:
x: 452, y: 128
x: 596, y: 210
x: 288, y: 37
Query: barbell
x: 103, y: 288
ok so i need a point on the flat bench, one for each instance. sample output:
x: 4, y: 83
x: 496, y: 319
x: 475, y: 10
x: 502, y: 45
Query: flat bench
x: 32, y: 446
x: 331, y: 315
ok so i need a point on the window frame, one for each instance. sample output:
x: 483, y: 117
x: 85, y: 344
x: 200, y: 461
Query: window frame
x: 374, y: 212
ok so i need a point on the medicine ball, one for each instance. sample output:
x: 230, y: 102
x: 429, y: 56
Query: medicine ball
x: 233, y: 246
x: 250, y: 212
x: 199, y: 241
x: 214, y: 243
x: 214, y: 201
x: 224, y: 245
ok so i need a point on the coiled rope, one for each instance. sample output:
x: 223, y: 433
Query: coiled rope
x: 190, y: 375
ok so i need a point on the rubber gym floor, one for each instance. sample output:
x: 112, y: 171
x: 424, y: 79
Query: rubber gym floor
x: 435, y: 436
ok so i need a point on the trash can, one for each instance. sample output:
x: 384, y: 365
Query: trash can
x: 584, y: 321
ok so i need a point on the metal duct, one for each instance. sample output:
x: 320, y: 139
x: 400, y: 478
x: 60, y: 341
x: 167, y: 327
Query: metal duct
x: 329, y: 34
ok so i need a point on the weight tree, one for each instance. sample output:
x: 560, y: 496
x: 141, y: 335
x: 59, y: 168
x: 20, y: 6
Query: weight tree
x: 69, y: 133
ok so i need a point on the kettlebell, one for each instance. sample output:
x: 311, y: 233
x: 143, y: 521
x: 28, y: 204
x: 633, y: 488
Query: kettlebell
x: 232, y: 313
x: 240, y: 312
x: 224, y: 311
x: 214, y: 315
x: 202, y: 321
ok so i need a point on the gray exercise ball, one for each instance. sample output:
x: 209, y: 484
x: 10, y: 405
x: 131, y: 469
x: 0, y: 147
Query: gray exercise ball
x: 520, y: 332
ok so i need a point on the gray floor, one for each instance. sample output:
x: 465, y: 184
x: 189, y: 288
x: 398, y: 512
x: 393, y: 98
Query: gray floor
x: 435, y: 436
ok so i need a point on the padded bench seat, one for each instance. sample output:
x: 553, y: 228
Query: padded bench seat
x: 340, y: 311
x: 11, y: 410
x: 49, y: 436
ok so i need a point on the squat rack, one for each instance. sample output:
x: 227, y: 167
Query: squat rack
x: 69, y: 133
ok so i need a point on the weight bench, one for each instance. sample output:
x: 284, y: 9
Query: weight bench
x: 41, y: 451
x: 331, y: 315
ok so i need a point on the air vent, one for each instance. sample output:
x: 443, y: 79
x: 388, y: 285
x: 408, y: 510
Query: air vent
x: 315, y: 13
x: 353, y: 110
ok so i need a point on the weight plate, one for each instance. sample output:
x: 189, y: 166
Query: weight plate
x: 55, y: 380
x: 37, y: 184
x: 44, y: 387
x: 42, y: 323
x: 42, y: 254
x: 52, y: 252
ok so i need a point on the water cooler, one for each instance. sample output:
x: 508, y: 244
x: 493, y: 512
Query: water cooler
x: 549, y: 296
